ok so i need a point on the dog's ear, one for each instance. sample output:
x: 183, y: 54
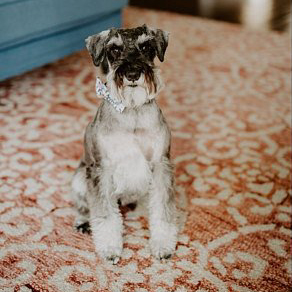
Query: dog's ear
x: 95, y: 46
x: 161, y: 40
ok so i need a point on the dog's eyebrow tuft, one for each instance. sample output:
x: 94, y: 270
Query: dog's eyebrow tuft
x: 143, y: 38
x: 116, y: 40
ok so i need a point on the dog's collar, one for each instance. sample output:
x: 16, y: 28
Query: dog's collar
x: 102, y: 90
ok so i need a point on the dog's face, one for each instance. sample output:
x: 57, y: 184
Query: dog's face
x: 127, y: 56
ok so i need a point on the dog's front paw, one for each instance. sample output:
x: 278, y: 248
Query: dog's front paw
x: 108, y: 241
x: 111, y: 254
x: 162, y: 249
x: 163, y: 242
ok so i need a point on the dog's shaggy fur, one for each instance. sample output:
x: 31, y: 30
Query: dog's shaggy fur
x: 126, y: 155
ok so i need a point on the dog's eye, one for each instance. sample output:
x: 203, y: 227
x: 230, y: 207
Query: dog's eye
x: 144, y: 47
x: 116, y: 51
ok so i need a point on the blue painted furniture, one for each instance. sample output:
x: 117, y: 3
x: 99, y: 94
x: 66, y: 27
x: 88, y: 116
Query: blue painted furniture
x: 36, y: 32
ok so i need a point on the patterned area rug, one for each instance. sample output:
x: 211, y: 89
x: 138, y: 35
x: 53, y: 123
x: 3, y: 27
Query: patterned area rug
x: 227, y: 102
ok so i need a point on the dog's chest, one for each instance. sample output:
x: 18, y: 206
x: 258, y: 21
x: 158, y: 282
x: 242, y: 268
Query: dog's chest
x: 145, y: 139
x: 128, y: 153
x: 129, y: 144
x: 136, y: 137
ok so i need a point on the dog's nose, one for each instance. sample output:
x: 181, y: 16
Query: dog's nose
x: 133, y: 75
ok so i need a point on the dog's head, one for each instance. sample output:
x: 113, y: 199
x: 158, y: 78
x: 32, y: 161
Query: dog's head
x: 127, y: 57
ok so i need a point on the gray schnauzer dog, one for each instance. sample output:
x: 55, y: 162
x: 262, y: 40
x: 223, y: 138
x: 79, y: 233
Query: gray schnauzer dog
x: 127, y: 152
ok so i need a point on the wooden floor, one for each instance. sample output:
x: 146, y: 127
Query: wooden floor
x: 255, y: 14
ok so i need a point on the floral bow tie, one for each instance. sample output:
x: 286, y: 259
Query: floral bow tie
x: 102, y: 90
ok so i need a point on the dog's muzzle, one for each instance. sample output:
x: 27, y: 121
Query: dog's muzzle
x: 133, y: 65
x: 132, y: 72
x: 133, y: 75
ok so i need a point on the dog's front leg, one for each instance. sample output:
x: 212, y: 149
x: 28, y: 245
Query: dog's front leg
x: 106, y: 221
x: 162, y: 212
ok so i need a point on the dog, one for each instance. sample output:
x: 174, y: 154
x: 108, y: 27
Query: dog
x: 127, y: 152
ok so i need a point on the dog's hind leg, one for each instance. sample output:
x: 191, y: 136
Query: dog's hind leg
x: 79, y: 192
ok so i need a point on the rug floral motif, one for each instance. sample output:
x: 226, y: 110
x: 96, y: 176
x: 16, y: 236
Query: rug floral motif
x: 227, y: 101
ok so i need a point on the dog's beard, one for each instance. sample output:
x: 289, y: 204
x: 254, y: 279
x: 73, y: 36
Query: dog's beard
x: 134, y: 94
